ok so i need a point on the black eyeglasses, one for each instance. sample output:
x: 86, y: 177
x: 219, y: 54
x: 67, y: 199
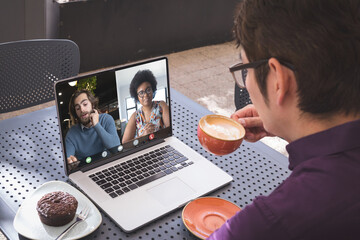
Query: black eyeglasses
x: 239, y: 70
x: 148, y: 91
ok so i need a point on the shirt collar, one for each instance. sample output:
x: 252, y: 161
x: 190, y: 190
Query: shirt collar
x: 334, y: 140
x: 82, y: 127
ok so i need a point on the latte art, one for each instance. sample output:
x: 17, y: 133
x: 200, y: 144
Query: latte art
x: 222, y: 131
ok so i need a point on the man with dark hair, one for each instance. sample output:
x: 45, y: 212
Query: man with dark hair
x: 92, y: 132
x: 300, y: 65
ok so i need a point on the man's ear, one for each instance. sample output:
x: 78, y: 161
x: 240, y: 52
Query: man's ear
x: 282, y: 80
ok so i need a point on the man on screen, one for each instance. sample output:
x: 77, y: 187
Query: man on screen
x: 92, y: 132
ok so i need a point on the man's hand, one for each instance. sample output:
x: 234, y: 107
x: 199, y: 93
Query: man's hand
x: 249, y: 118
x: 72, y: 162
x: 94, y: 117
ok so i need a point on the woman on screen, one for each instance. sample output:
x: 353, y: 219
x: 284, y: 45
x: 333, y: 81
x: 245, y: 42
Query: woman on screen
x: 153, y: 115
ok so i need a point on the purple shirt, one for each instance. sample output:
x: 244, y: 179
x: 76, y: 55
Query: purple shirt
x: 319, y: 200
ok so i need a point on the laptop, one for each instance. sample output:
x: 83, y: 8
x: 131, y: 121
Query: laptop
x: 136, y: 179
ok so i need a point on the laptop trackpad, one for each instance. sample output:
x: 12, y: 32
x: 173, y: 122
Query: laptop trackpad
x: 171, y: 192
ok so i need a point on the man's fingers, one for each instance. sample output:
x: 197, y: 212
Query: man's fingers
x: 250, y: 122
x: 72, y: 159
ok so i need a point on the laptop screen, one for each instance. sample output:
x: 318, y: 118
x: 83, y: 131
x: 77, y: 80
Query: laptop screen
x: 113, y: 113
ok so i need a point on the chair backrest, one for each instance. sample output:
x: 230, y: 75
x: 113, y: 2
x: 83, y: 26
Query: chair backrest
x: 29, y: 68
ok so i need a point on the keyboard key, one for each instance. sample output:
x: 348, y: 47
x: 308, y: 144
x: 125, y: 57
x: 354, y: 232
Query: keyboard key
x: 132, y: 186
x: 125, y: 189
x: 101, y: 182
x: 95, y: 179
x: 106, y: 185
x: 119, y: 168
x: 101, y: 176
x: 168, y: 171
x: 174, y: 169
x: 150, y: 179
x: 109, y: 190
x: 113, y: 195
x: 180, y: 160
x: 119, y: 192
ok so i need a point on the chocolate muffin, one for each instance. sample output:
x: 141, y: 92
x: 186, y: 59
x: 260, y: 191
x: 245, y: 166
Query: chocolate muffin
x: 57, y: 208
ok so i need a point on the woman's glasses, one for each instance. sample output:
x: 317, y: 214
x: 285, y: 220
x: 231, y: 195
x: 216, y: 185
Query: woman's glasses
x: 239, y: 71
x: 148, y: 91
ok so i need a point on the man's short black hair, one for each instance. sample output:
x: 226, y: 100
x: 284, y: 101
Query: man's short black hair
x: 140, y: 77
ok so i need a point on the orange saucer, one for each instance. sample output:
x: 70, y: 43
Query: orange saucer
x: 204, y: 215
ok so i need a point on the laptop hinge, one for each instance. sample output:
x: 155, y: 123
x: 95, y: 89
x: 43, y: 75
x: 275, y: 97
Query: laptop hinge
x: 116, y: 157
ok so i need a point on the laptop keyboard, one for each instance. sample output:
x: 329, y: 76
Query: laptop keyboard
x: 136, y: 172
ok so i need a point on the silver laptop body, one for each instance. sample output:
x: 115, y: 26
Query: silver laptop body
x: 145, y: 202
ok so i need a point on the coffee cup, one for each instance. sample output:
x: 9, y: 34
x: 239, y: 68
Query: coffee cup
x: 220, y: 135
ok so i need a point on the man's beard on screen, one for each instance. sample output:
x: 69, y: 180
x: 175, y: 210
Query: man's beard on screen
x: 85, y: 121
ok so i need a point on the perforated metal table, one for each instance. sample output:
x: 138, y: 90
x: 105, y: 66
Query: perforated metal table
x: 30, y: 155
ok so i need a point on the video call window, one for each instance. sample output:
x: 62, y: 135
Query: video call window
x: 117, y: 104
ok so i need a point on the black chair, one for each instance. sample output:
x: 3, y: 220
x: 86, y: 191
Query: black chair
x: 29, y: 68
x: 241, y: 97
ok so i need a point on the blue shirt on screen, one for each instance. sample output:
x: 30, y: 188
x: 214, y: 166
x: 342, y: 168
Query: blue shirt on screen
x: 319, y: 200
x: 82, y: 142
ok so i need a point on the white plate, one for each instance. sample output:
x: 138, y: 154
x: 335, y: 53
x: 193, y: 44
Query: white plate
x: 28, y: 224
